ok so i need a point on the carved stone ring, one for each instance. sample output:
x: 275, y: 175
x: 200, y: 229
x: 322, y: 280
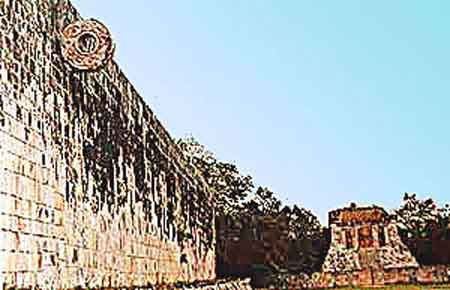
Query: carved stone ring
x: 87, y: 45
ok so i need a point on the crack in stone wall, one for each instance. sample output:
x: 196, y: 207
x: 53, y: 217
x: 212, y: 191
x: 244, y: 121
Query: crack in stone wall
x: 93, y: 191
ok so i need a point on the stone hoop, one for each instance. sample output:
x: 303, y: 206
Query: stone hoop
x: 87, y: 45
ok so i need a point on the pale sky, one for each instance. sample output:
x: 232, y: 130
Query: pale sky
x: 324, y: 102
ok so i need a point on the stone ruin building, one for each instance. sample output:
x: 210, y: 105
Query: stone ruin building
x: 365, y: 247
x: 366, y: 250
x: 94, y: 193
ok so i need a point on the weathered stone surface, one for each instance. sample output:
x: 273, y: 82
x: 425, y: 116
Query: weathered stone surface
x: 93, y: 191
x: 364, y: 238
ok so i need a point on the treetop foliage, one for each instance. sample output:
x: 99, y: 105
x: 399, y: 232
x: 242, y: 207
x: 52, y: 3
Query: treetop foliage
x: 235, y: 195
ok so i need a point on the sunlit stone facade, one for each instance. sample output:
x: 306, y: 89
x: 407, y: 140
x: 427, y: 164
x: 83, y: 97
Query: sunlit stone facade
x: 93, y: 191
x: 365, y: 246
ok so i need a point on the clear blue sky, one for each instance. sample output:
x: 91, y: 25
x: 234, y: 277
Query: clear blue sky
x: 324, y: 102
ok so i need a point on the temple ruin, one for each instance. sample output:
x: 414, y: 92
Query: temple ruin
x: 365, y: 246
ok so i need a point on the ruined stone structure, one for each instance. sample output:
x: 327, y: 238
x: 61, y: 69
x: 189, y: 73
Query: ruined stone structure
x: 364, y: 238
x: 93, y: 191
x: 365, y: 250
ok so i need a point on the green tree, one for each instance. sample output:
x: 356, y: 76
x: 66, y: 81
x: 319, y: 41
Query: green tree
x: 228, y: 185
x: 304, y: 224
x: 263, y: 202
x: 415, y: 216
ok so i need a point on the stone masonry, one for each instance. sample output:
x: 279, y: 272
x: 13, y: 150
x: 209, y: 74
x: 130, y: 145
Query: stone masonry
x: 364, y: 238
x: 366, y: 250
x: 93, y: 191
x: 365, y: 245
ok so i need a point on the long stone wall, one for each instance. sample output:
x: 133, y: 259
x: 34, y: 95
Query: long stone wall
x: 93, y: 191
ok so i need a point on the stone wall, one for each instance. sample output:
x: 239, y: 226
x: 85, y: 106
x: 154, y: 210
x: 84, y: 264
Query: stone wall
x: 248, y: 241
x: 93, y: 191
